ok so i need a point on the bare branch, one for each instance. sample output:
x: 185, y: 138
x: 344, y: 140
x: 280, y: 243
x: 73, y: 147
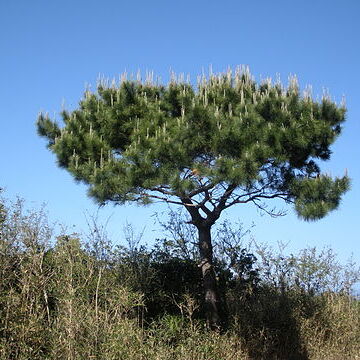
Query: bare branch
x: 163, y: 190
x: 253, y: 198
x: 193, y: 210
x: 271, y: 212
x: 215, y: 214
x: 161, y: 198
x: 201, y: 189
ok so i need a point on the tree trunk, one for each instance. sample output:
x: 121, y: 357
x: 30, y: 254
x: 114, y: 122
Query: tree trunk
x: 212, y: 303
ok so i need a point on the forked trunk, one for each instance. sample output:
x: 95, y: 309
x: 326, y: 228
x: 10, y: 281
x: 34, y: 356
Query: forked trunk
x: 212, y: 303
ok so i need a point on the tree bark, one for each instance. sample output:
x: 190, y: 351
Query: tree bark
x: 212, y: 303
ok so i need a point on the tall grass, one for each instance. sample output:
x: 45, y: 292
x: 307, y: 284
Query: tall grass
x: 64, y: 298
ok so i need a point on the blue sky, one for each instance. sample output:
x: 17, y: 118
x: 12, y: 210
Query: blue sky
x: 51, y: 49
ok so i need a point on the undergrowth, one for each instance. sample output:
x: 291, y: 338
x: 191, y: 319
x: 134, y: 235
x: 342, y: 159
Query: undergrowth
x: 67, y: 297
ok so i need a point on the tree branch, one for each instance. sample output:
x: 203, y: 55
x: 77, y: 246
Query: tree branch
x: 255, y: 197
x: 215, y: 214
x: 196, y: 218
x: 198, y: 191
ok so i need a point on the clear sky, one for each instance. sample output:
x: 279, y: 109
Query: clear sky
x: 51, y: 49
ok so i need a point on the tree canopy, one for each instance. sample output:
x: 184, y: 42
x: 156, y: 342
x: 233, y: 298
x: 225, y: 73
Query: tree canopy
x: 230, y: 140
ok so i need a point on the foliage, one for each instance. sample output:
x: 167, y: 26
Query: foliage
x: 230, y: 141
x: 62, y: 298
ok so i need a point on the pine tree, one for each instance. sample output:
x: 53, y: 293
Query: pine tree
x: 230, y: 141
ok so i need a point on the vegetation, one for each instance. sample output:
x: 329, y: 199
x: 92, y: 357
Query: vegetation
x: 62, y: 297
x: 231, y: 141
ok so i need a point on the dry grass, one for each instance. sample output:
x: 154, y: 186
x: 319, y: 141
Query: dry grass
x: 62, y: 303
